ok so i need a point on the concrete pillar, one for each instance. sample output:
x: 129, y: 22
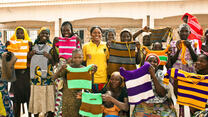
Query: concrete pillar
x: 57, y: 27
x: 152, y: 22
x: 144, y: 22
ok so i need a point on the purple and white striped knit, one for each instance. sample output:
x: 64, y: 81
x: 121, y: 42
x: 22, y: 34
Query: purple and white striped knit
x: 138, y: 84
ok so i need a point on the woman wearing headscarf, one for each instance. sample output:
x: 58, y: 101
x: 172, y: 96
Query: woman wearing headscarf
x: 42, y: 89
x: 20, y: 44
x: 160, y: 105
x: 184, y: 51
x: 118, y: 95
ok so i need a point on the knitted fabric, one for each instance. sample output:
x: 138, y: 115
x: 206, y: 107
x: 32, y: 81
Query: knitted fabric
x: 79, y: 78
x: 138, y: 84
x: 91, y: 105
x: 122, y: 54
x: 192, y: 88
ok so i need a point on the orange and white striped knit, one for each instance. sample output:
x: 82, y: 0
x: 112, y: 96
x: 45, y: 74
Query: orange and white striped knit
x: 160, y: 53
x: 20, y: 48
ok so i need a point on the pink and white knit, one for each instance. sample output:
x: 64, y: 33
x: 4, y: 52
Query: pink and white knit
x: 66, y: 46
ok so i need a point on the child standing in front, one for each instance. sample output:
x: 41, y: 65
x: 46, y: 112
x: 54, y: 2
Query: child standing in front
x: 71, y: 104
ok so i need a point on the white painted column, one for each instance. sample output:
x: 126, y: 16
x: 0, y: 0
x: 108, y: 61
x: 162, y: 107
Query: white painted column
x: 152, y: 22
x: 144, y: 21
x: 57, y: 27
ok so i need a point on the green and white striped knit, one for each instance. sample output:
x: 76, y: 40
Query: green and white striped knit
x: 79, y: 78
x: 91, y: 105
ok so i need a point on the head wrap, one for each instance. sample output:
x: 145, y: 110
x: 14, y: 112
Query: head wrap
x: 158, y: 59
x: 184, y: 25
x: 126, y: 30
x: 14, y: 37
x: 38, y: 37
x: 146, y: 34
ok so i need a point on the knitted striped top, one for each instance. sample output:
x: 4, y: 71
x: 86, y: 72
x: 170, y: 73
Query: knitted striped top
x: 66, y: 46
x: 91, y: 105
x: 192, y: 88
x: 79, y: 78
x: 161, y: 54
x: 138, y: 84
x: 122, y: 52
x: 20, y: 48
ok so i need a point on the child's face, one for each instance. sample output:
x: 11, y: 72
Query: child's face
x: 44, y: 36
x: 20, y: 34
x: 157, y: 46
x: 153, y: 61
x: 66, y: 31
x: 77, y: 58
x: 125, y: 37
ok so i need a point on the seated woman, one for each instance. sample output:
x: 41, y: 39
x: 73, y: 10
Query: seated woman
x: 160, y: 105
x: 119, y: 93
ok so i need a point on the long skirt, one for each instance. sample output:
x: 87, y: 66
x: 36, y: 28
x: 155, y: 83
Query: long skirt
x: 42, y: 99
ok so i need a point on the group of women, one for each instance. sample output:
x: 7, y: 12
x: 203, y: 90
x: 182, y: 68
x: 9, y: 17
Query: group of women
x: 45, y: 88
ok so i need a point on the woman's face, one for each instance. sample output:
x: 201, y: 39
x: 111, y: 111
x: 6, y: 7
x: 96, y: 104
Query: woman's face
x: 125, y: 37
x: 66, y: 31
x: 20, y: 34
x: 184, y: 33
x: 146, y: 40
x: 44, y: 36
x: 153, y: 61
x: 201, y: 63
x: 110, y: 36
x: 96, y: 34
x: 115, y: 80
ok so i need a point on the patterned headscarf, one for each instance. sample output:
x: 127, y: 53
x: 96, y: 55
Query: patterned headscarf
x: 184, y: 25
x: 38, y: 37
x: 158, y: 59
x: 14, y: 37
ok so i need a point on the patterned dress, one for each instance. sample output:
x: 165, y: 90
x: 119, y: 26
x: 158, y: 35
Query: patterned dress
x: 58, y: 92
x: 6, y: 99
x: 42, y: 88
x: 189, y: 67
x: 157, y: 106
x: 4, y: 90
